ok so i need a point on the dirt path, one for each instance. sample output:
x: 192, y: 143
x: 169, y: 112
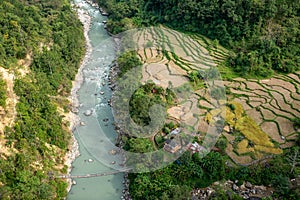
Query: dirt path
x: 8, y: 114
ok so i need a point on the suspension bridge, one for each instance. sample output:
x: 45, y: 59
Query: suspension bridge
x: 67, y: 176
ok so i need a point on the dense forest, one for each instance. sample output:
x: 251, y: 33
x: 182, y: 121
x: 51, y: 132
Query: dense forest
x: 52, y: 36
x: 178, y: 179
x: 263, y: 35
x: 263, y: 39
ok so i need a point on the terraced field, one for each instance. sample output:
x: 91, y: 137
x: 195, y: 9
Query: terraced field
x: 177, y: 50
x: 169, y: 57
x: 272, y: 103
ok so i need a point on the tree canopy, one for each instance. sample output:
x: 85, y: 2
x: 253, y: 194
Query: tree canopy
x: 262, y: 35
x: 51, y: 34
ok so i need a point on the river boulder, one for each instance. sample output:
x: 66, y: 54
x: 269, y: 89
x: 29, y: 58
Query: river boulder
x: 88, y: 113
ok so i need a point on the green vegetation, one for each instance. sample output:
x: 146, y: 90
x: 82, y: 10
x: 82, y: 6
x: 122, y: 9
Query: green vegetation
x: 298, y: 139
x: 263, y: 35
x: 2, y: 92
x: 176, y: 180
x: 145, y: 97
x: 296, y: 122
x: 127, y: 61
x: 124, y: 15
x: 263, y: 39
x: 139, y: 145
x: 52, y: 34
x: 196, y: 78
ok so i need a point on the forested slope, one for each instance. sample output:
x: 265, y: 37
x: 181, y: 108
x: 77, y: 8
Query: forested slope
x: 50, y: 35
x: 263, y: 35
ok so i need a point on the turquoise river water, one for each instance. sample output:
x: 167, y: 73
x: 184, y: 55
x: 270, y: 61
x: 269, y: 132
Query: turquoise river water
x: 97, y: 136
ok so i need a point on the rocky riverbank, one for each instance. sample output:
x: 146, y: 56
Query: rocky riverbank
x: 113, y: 75
x: 72, y: 117
x: 246, y: 191
x: 75, y: 104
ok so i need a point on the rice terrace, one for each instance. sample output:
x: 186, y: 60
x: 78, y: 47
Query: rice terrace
x: 258, y: 114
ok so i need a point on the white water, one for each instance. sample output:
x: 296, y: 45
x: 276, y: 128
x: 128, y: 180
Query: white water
x: 97, y: 135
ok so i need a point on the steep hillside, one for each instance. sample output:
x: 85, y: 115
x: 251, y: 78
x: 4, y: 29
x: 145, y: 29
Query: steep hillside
x: 263, y: 35
x: 41, y: 45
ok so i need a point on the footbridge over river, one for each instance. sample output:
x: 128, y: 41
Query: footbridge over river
x: 67, y: 176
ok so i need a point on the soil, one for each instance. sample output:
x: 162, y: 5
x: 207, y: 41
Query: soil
x: 7, y: 119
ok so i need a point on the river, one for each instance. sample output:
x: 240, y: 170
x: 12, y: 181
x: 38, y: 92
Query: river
x: 96, y: 135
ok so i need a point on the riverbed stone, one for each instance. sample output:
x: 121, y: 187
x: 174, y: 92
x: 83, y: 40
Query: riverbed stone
x: 82, y: 123
x: 88, y: 113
